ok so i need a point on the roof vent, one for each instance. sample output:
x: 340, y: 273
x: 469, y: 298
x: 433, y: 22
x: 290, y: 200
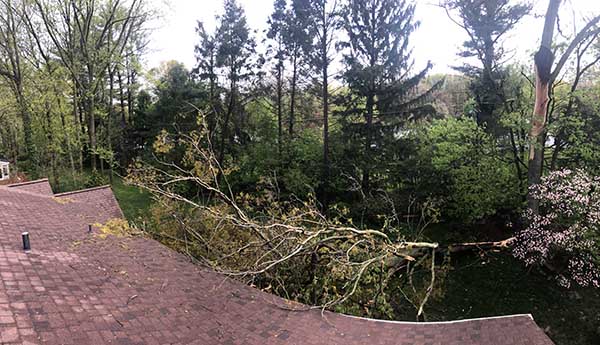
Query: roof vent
x: 26, y: 243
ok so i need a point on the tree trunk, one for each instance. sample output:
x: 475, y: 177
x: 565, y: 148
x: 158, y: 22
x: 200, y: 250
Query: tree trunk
x: 225, y: 130
x: 123, y: 121
x: 130, y: 99
x: 28, y: 131
x: 293, y: 94
x: 544, y: 60
x: 78, y: 125
x: 279, y: 106
x: 50, y: 147
x: 368, y: 142
x: 111, y: 91
x: 517, y: 160
x: 92, y: 130
x: 325, y: 182
x: 90, y: 107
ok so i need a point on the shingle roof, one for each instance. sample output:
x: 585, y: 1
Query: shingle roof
x: 38, y: 186
x: 77, y: 288
x: 101, y: 197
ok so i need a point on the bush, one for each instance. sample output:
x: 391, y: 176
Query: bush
x: 96, y: 179
x: 462, y: 161
x: 565, y: 236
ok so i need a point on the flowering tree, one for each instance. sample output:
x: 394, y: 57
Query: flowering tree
x: 565, y: 235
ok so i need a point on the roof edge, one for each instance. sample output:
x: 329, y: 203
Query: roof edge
x: 439, y: 322
x: 27, y: 183
x: 81, y: 191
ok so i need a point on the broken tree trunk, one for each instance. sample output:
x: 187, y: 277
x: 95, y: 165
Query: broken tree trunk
x: 498, y: 245
x: 455, y: 248
x: 544, y: 60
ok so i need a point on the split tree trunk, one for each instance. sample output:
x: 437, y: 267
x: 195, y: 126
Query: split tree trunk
x: 544, y: 60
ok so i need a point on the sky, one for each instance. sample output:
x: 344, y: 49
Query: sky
x: 438, y: 39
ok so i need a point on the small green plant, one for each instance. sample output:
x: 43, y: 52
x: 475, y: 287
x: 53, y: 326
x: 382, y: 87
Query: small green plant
x: 96, y: 179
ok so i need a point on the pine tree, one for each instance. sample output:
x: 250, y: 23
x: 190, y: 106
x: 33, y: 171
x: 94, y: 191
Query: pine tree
x: 276, y: 33
x: 297, y: 44
x: 235, y: 50
x: 206, y: 70
x: 378, y: 72
x: 322, y: 21
x: 486, y: 22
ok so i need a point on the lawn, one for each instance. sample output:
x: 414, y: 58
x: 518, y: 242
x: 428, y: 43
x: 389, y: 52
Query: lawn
x: 495, y: 283
x: 134, y: 201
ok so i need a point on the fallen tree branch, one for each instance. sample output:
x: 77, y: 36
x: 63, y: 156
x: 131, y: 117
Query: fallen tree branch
x: 461, y: 247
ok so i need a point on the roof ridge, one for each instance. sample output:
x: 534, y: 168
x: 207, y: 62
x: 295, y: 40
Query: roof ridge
x: 438, y: 322
x: 26, y: 192
x: 82, y: 191
x: 26, y: 183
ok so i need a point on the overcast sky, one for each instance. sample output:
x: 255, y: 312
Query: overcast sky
x: 438, y: 39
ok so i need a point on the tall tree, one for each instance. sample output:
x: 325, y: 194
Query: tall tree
x: 322, y: 21
x: 12, y: 30
x: 206, y: 70
x: 487, y: 23
x: 378, y: 65
x: 276, y: 33
x: 297, y: 43
x: 236, y: 47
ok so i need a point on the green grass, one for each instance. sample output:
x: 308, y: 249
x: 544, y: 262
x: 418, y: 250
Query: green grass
x: 134, y: 202
x: 494, y: 283
x: 498, y: 284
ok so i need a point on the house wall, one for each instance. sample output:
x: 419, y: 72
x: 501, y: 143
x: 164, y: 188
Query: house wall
x: 4, y: 171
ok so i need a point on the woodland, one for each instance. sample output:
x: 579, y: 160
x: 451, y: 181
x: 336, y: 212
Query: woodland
x: 317, y: 161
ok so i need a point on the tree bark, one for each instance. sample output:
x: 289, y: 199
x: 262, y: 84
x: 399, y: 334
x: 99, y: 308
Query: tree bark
x: 279, y: 104
x: 225, y: 129
x: 325, y: 180
x: 111, y: 81
x: 368, y: 142
x: 123, y: 120
x: 544, y: 60
x: 293, y: 94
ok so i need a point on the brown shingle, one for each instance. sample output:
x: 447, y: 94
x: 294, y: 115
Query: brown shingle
x: 76, y: 288
x: 39, y: 186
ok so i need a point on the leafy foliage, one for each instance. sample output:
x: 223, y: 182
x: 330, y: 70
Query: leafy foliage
x: 476, y: 183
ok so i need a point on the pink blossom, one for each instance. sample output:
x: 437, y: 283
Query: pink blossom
x: 566, y: 230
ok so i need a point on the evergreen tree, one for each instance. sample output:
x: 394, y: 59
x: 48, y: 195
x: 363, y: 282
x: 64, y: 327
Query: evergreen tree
x: 235, y: 50
x: 297, y: 44
x: 206, y: 70
x: 486, y: 22
x: 276, y: 33
x: 378, y: 73
x: 322, y: 21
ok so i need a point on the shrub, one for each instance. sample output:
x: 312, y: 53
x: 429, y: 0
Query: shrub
x: 565, y: 236
x: 463, y: 168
